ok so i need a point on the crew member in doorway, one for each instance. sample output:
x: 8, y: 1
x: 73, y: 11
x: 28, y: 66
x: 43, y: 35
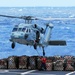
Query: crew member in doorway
x: 43, y: 61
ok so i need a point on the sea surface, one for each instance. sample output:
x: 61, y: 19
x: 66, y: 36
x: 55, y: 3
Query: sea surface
x: 63, y: 30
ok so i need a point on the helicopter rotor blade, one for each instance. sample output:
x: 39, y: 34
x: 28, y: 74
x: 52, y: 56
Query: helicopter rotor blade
x: 36, y: 18
x: 21, y: 17
x: 51, y: 19
x: 28, y: 18
x: 10, y: 16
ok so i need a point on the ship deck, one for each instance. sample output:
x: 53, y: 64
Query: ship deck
x: 34, y: 72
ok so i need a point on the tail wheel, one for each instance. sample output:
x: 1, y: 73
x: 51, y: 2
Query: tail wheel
x: 13, y: 45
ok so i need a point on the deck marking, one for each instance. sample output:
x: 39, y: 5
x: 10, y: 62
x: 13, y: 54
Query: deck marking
x: 70, y: 73
x: 4, y: 71
x: 42, y: 74
x: 27, y: 72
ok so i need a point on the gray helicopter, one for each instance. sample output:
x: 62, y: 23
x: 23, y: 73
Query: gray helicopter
x: 33, y: 35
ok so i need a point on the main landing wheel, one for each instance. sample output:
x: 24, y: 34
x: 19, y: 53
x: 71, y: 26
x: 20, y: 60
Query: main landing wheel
x: 13, y: 45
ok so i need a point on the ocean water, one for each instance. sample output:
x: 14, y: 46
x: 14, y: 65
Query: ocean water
x: 63, y: 30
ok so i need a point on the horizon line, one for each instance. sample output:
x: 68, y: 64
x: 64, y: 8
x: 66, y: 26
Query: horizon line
x: 37, y: 6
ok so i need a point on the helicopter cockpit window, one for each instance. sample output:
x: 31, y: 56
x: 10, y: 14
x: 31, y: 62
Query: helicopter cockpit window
x: 15, y: 29
x: 26, y: 30
x: 19, y: 29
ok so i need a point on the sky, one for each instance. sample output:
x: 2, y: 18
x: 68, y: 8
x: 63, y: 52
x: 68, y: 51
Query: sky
x: 35, y: 3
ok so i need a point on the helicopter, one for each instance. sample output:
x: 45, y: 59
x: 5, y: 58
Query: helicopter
x: 33, y: 35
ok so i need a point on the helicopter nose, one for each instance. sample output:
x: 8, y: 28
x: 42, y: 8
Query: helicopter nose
x: 17, y: 35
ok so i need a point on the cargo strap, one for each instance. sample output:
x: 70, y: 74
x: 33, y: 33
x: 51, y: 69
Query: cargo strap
x: 43, y: 52
x: 37, y: 52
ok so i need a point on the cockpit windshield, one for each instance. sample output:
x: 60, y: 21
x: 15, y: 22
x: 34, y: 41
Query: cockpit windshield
x: 15, y: 29
x: 27, y: 30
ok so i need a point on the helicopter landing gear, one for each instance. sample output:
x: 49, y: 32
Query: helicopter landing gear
x: 43, y: 51
x: 37, y: 36
x: 13, y: 45
x: 35, y: 46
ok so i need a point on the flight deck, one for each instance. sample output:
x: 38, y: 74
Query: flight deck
x: 34, y: 72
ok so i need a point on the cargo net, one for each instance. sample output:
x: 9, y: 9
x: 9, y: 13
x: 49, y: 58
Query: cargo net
x: 55, y: 63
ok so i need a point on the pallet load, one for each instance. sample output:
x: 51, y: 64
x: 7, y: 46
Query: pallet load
x: 32, y: 62
x: 49, y: 64
x: 69, y: 66
x: 58, y: 65
x: 73, y: 62
x: 13, y: 62
x: 39, y: 63
x: 3, y: 64
x: 56, y: 58
x: 23, y: 62
x: 68, y: 57
x: 69, y: 63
